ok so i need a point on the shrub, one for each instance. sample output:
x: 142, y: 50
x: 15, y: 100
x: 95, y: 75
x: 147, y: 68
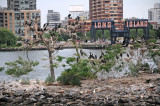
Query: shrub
x: 49, y: 80
x: 20, y: 67
x: 156, y: 70
x: 19, y: 44
x: 1, y: 69
x: 25, y: 81
x: 78, y: 71
x: 69, y: 78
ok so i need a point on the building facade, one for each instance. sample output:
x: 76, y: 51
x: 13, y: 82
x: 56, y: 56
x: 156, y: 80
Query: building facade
x: 154, y: 15
x: 107, y: 10
x: 53, y: 18
x: 7, y: 18
x: 16, y: 14
x: 84, y: 16
x: 18, y: 5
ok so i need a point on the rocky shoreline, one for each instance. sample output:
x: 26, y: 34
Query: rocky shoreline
x: 127, y: 91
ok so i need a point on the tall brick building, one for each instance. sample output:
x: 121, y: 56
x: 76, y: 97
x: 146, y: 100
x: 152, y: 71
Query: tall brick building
x: 17, y: 12
x: 107, y: 10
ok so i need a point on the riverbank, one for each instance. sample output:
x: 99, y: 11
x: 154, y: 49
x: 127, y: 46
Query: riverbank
x: 127, y: 91
x: 59, y: 46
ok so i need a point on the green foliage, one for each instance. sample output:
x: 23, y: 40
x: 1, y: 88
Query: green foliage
x: 60, y: 58
x: 7, y: 38
x: 151, y: 41
x: 153, y: 33
x: 1, y: 69
x: 70, y: 60
x: 25, y: 81
x: 133, y: 33
x: 156, y: 70
x: 140, y: 33
x: 158, y: 32
x: 99, y: 34
x: 49, y: 80
x: 144, y: 67
x: 47, y: 35
x: 55, y: 65
x: 133, y: 70
x: 19, y: 38
x: 18, y: 44
x: 137, y: 45
x: 78, y: 71
x: 20, y: 67
x: 69, y: 78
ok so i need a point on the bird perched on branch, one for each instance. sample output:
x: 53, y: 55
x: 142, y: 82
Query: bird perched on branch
x: 69, y: 16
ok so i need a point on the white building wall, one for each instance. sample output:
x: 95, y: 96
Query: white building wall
x: 154, y: 13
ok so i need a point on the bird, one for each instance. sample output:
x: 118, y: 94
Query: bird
x: 102, y: 54
x: 26, y: 23
x: 103, y: 61
x: 93, y: 62
x: 69, y: 15
x: 91, y: 56
x: 30, y: 24
x: 121, y: 54
x: 100, y: 57
x: 127, y: 55
x: 59, y: 26
x: 81, y: 52
x: 77, y: 59
x: 117, y: 57
x: 95, y: 56
x: 154, y: 46
x: 76, y: 22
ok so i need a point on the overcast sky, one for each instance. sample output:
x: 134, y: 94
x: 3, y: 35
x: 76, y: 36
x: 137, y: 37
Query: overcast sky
x: 132, y: 8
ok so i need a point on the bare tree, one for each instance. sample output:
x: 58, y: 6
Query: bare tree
x: 50, y: 42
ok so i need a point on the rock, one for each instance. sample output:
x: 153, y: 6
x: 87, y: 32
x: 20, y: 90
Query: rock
x: 158, y: 89
x: 123, y: 100
x: 157, y: 100
x: 72, y: 103
x: 19, y: 93
x: 38, y: 93
x: 149, y: 100
x: 42, y: 97
x: 33, y: 100
x: 158, y: 42
x: 61, y: 91
x: 155, y: 50
x: 5, y: 99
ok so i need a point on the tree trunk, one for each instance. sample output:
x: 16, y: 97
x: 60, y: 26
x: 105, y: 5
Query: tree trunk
x: 51, y: 63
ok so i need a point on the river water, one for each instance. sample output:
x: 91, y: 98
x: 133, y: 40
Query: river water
x: 42, y: 70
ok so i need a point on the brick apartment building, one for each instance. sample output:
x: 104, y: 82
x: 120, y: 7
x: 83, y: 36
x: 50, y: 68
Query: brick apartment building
x: 17, y: 12
x: 107, y: 10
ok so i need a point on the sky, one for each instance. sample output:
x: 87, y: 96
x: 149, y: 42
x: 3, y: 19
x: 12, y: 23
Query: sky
x: 131, y: 8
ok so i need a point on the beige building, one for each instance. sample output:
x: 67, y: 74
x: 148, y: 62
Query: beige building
x: 28, y: 15
x: 7, y: 18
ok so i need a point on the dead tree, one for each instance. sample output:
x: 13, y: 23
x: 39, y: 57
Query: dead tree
x: 48, y: 42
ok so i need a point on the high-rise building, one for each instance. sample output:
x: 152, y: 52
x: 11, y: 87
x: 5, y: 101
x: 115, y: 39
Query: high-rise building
x: 107, y: 10
x: 53, y: 18
x: 18, y: 5
x: 7, y: 19
x: 154, y: 15
x: 16, y: 14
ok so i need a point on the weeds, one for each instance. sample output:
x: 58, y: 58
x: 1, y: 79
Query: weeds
x: 49, y: 80
x: 25, y: 81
